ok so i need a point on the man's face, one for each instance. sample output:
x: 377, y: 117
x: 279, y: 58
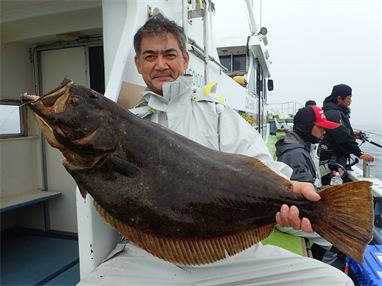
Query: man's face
x: 344, y: 102
x: 318, y: 132
x: 160, y: 60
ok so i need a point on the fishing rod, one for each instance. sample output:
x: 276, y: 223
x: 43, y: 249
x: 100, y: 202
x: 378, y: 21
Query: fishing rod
x: 369, y: 132
x: 364, y: 137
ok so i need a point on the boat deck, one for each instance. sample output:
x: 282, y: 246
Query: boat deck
x: 37, y: 258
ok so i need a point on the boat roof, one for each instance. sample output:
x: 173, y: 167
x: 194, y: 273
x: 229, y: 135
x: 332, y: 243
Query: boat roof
x: 35, y: 22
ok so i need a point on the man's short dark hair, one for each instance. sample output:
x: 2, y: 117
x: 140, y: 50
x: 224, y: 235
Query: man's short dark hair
x: 310, y: 103
x: 158, y: 25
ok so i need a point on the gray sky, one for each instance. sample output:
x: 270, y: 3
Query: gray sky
x: 314, y: 45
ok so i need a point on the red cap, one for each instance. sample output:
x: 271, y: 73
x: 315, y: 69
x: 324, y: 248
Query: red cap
x: 314, y: 114
x: 321, y: 119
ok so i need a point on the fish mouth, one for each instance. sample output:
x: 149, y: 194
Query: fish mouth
x: 51, y: 103
x: 28, y: 98
x: 48, y: 132
x: 45, y: 109
x: 72, y: 159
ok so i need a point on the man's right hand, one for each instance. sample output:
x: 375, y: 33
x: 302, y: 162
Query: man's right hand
x: 335, y: 167
x: 367, y: 157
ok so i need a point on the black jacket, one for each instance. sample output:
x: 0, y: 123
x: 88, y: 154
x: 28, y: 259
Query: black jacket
x: 293, y: 151
x: 341, y: 139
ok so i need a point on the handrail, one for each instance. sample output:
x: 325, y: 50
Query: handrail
x: 198, y: 51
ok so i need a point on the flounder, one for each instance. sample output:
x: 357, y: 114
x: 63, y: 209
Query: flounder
x: 178, y: 200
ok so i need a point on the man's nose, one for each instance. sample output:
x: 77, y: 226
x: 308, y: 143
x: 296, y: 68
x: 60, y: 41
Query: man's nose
x: 161, y: 63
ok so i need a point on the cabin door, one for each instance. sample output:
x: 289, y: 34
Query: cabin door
x: 84, y: 65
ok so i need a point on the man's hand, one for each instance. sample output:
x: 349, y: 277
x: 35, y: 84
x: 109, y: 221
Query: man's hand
x: 367, y: 157
x: 289, y: 217
x: 357, y: 134
x: 339, y: 170
x: 335, y: 167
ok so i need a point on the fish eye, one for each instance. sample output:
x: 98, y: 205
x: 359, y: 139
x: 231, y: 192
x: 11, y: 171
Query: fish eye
x: 93, y: 94
x: 74, y: 101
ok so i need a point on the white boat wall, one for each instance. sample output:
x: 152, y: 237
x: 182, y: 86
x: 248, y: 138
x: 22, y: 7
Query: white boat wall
x: 31, y: 172
x: 91, y: 42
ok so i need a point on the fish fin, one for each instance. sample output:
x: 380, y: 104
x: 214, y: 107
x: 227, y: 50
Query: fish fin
x: 83, y: 190
x: 122, y: 166
x: 347, y: 220
x: 190, y: 251
x: 263, y: 169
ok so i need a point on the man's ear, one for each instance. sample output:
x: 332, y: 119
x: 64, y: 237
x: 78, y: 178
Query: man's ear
x: 186, y: 59
x: 138, y: 64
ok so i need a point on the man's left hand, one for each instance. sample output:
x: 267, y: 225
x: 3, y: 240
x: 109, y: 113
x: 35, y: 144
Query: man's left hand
x: 289, y: 217
x: 357, y: 134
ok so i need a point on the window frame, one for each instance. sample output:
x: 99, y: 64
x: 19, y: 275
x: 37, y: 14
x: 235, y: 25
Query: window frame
x: 23, y: 116
x: 230, y: 70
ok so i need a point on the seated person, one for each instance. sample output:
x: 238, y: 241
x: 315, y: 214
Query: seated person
x: 295, y: 149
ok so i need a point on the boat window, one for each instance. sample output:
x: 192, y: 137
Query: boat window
x: 226, y: 62
x: 12, y: 119
x: 234, y: 63
x: 239, y: 63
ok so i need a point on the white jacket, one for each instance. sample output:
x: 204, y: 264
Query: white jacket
x: 204, y: 117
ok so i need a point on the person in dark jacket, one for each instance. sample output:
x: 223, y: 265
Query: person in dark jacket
x: 296, y: 147
x: 339, y: 143
x: 296, y: 150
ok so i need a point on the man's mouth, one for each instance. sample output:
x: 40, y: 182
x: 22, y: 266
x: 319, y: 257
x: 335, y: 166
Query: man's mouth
x: 162, y: 76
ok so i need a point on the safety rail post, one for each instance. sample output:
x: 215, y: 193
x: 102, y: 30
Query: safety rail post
x: 366, y: 169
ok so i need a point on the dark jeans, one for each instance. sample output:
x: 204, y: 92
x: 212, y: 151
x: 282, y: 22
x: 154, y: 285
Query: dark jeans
x: 333, y: 257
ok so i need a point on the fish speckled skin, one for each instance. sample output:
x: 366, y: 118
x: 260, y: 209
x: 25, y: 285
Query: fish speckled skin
x: 175, y: 198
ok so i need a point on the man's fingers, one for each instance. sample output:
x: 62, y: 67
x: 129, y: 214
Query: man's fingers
x: 282, y: 216
x: 293, y: 218
x: 289, y: 217
x: 311, y: 195
x: 306, y: 225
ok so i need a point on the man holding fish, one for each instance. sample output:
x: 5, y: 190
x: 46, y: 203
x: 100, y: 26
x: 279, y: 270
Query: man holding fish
x: 161, y: 58
x: 193, y: 187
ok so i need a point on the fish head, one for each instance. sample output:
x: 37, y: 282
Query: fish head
x: 74, y: 120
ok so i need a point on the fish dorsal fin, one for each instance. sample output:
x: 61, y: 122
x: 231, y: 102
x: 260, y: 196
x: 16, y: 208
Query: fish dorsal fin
x: 187, y: 252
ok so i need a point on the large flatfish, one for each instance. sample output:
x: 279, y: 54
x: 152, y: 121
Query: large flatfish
x: 177, y: 199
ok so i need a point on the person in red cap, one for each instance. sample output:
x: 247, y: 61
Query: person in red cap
x: 339, y: 143
x: 297, y: 149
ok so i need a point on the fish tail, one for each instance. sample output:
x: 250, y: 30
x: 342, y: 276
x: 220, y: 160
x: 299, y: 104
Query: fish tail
x: 347, y: 219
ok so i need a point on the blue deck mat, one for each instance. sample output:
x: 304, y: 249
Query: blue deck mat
x: 69, y: 277
x: 35, y: 260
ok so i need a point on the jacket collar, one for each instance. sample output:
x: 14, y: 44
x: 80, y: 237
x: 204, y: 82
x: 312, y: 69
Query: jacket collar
x: 171, y: 90
x: 331, y: 105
